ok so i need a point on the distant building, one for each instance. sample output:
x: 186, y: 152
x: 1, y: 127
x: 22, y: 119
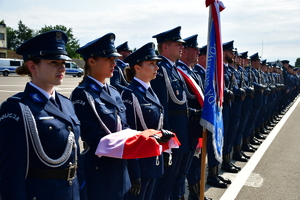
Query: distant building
x: 3, y: 41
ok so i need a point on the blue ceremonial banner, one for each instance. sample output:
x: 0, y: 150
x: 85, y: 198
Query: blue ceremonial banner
x: 212, y: 118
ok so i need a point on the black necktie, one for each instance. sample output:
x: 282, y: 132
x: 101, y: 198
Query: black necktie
x: 106, y: 89
x: 54, y: 102
x: 151, y: 91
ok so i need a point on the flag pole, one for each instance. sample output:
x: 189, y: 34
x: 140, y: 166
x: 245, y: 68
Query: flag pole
x: 203, y: 164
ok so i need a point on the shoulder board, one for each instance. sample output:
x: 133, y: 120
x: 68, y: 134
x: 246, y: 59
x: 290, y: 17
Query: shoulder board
x: 112, y: 87
x: 81, y: 86
x: 126, y: 89
x: 62, y: 96
x: 17, y: 97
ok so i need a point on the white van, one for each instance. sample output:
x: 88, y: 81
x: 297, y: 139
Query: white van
x: 9, y: 65
x: 73, y: 69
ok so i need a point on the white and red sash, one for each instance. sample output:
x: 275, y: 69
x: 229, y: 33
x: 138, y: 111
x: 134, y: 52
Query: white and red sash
x: 193, y: 86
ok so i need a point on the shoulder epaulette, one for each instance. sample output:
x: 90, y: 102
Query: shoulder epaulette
x: 126, y: 89
x: 17, y: 97
x: 113, y: 87
x: 63, y: 96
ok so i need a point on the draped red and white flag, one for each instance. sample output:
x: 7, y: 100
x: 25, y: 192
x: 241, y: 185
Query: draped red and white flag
x: 130, y: 144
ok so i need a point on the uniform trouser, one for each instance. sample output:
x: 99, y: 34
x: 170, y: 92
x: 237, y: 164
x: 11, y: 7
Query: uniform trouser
x: 147, y: 190
x: 211, y: 159
x: 240, y: 131
x: 230, y: 134
x: 193, y: 175
x: 166, y: 182
x: 179, y: 185
x: 226, y: 116
x: 251, y: 121
x: 261, y: 116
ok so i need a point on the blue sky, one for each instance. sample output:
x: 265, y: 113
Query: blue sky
x: 270, y: 27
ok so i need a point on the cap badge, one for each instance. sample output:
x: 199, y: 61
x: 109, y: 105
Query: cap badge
x: 58, y: 36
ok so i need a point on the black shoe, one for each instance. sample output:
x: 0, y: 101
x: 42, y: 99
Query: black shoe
x: 245, y: 155
x: 252, y: 147
x: 259, y: 136
x: 254, y: 142
x: 239, y: 157
x: 235, y: 166
x: 205, y: 198
x: 229, y: 168
x: 247, y: 148
x: 264, y: 131
x: 215, y: 181
x: 227, y: 181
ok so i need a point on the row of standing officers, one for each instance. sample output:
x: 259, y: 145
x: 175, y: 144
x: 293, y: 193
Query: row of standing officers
x: 40, y: 157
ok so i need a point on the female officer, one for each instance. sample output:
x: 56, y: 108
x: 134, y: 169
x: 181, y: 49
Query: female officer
x: 143, y: 111
x: 39, y: 130
x: 106, y: 177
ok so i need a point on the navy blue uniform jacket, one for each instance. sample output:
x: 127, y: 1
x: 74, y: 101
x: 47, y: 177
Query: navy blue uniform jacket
x: 107, y: 178
x: 53, y: 131
x: 118, y: 79
x: 176, y: 118
x: 152, y: 109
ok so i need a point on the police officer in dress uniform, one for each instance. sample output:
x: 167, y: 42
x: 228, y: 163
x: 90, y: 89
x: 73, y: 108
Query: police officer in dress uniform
x: 267, y: 97
x: 143, y: 111
x: 170, y: 89
x: 39, y: 130
x: 246, y: 107
x: 237, y: 107
x: 200, y: 67
x: 189, y: 58
x: 231, y: 109
x: 106, y: 177
x: 118, y: 80
x: 251, y: 126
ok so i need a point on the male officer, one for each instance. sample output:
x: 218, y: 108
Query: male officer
x: 118, y: 79
x: 170, y: 89
x: 232, y: 110
x: 200, y: 67
x: 257, y: 100
x: 246, y: 107
x: 195, y: 92
x: 247, y: 104
x: 286, y: 89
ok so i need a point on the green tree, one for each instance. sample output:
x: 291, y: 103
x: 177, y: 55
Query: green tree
x: 23, y: 33
x: 73, y: 42
x: 297, y: 63
x: 12, y: 40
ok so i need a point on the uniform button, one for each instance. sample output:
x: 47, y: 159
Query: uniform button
x: 106, y: 111
x: 69, y: 128
x: 149, y: 111
x: 70, y: 182
x: 96, y: 167
x: 50, y: 128
x: 34, y: 198
x: 122, y: 108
